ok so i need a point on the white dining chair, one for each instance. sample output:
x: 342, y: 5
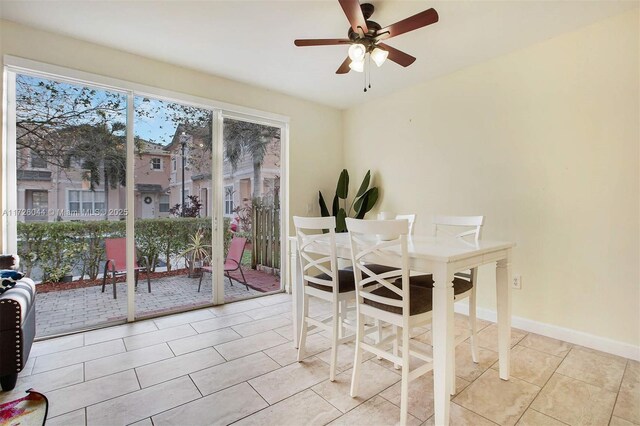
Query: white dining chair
x: 322, y: 279
x: 380, y: 296
x: 466, y: 228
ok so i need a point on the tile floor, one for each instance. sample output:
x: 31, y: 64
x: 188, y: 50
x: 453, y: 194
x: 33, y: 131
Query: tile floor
x: 236, y: 364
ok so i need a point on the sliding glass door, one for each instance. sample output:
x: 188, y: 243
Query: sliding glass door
x: 125, y: 205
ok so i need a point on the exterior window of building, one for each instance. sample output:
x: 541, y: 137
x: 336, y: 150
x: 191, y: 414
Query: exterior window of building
x: 37, y: 161
x: 164, y: 204
x: 40, y: 200
x: 174, y: 166
x: 156, y: 164
x: 85, y: 201
x: 228, y: 200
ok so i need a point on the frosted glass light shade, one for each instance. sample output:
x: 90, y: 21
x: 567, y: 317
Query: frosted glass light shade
x: 357, y: 52
x: 379, y: 56
x: 357, y: 66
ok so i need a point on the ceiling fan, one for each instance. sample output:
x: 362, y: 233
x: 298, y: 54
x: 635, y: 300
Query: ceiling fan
x: 365, y: 37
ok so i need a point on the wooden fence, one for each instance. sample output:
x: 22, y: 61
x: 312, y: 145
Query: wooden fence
x: 265, y: 226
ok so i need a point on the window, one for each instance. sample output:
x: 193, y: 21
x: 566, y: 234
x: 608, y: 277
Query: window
x: 174, y: 163
x: 38, y: 161
x: 228, y: 200
x: 164, y: 204
x: 156, y: 164
x: 85, y: 201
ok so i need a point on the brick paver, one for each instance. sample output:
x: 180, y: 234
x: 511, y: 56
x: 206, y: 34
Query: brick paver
x: 67, y: 310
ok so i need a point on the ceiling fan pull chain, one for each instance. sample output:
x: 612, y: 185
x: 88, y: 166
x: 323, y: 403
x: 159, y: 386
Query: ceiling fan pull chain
x: 369, y: 71
x: 365, y: 80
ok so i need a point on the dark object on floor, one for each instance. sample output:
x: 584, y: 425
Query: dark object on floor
x: 30, y: 410
x: 17, y: 330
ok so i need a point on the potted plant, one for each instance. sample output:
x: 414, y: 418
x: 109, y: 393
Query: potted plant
x: 196, y: 253
x: 362, y: 203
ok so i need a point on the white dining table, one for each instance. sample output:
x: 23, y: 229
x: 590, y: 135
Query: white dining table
x: 442, y: 257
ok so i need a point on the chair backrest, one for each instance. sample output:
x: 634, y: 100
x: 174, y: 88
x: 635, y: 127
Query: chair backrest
x: 115, y: 249
x: 367, y: 248
x: 311, y: 262
x: 236, y: 249
x: 410, y: 217
x: 459, y: 226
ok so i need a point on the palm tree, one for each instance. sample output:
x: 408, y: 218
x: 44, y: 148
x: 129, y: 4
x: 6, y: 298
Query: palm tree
x: 246, y: 138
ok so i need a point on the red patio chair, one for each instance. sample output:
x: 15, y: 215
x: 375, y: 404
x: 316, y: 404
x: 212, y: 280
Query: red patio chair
x: 232, y: 262
x: 115, y: 251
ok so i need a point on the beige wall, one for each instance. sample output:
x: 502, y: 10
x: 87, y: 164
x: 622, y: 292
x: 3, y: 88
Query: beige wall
x: 545, y: 143
x: 315, y: 130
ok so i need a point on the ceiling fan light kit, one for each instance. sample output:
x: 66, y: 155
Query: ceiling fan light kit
x: 365, y: 37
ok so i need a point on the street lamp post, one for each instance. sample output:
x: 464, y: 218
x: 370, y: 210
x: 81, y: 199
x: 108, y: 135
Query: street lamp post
x: 183, y: 142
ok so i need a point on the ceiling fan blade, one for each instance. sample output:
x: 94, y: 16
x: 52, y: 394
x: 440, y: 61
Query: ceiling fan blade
x: 344, y: 67
x: 419, y: 20
x: 321, y: 42
x: 354, y: 14
x: 398, y: 56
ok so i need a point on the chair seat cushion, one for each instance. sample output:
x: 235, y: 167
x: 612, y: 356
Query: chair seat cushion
x: 460, y: 285
x: 345, y: 281
x: 420, y: 300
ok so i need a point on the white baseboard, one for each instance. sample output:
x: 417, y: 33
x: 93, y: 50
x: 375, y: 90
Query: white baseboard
x: 566, y: 334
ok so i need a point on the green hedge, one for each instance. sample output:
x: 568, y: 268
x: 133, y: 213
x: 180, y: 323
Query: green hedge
x: 59, y: 247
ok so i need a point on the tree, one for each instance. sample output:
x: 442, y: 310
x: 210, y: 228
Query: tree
x: 246, y: 138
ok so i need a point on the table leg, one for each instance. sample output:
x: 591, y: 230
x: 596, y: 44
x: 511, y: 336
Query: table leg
x: 296, y: 291
x: 503, y: 292
x: 443, y: 342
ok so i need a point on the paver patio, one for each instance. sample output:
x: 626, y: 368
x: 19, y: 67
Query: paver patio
x: 62, y: 311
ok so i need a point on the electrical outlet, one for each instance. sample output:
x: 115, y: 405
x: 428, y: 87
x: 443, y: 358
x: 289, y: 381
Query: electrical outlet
x: 517, y: 282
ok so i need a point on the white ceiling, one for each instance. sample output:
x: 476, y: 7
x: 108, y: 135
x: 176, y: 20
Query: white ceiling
x: 252, y: 41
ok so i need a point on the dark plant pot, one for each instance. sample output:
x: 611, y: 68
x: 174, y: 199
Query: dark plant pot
x: 67, y: 279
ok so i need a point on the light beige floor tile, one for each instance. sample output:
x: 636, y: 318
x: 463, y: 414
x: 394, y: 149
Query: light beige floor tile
x: 275, y: 299
x: 546, y: 344
x: 231, y: 373
x: 373, y: 379
x: 143, y: 403
x: 160, y: 336
x: 260, y: 326
x: 346, y: 354
x: 220, y: 322
x: 126, y: 360
x: 488, y: 337
x: 575, y: 402
x: 57, y: 344
x: 71, y: 398
x: 498, y: 400
x: 74, y: 418
x: 235, y: 307
x: 420, y: 395
x: 143, y: 422
x: 269, y: 311
x: 286, y: 381
x: 203, y: 340
x: 287, y: 330
x: 376, y: 411
x: 591, y: 367
x: 469, y: 370
x: 531, y: 365
x: 460, y: 416
x: 628, y: 403
x: 617, y: 421
x: 220, y: 408
x: 183, y: 318
x: 248, y: 345
x: 117, y: 332
x: 161, y: 371
x: 77, y: 355
x: 45, y: 382
x: 285, y: 353
x: 304, y: 408
x: 535, y: 418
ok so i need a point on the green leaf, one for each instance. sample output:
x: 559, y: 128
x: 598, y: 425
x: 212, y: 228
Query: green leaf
x: 323, y: 206
x: 334, y: 207
x: 342, y: 191
x: 364, y: 185
x: 366, y: 202
x: 341, y: 223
